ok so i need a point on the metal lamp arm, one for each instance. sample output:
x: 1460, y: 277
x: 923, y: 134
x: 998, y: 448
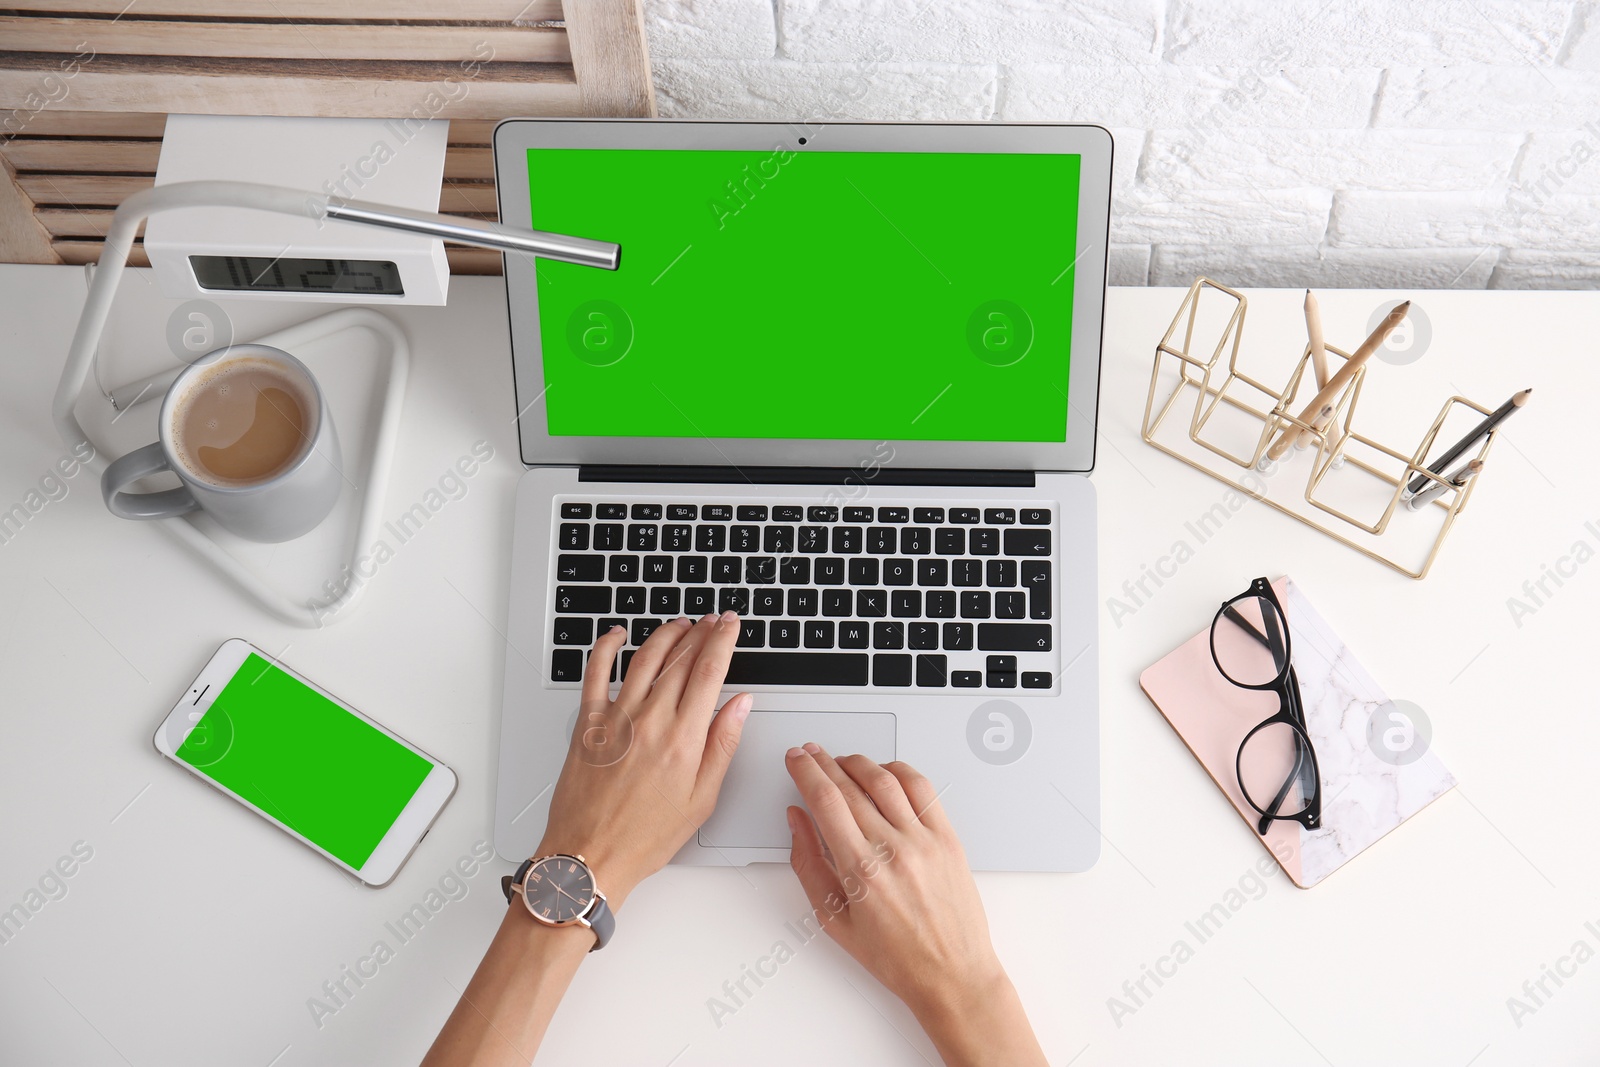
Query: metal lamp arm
x: 580, y: 250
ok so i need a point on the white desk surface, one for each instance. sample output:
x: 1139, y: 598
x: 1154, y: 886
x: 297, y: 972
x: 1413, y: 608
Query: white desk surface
x: 197, y: 934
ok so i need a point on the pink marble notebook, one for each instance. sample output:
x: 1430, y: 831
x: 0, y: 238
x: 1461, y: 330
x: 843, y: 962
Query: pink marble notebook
x: 1367, y: 790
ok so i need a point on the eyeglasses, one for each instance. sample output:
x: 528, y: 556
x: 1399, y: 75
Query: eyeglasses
x: 1276, y: 765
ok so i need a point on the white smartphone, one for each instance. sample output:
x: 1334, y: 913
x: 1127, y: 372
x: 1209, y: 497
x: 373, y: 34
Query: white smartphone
x: 305, y: 761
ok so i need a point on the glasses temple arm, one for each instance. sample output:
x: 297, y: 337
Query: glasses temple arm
x: 1243, y: 624
x: 1300, y: 764
x: 1273, y: 640
x: 1302, y: 749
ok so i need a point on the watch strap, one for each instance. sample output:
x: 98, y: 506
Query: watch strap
x: 602, y: 922
x: 509, y: 880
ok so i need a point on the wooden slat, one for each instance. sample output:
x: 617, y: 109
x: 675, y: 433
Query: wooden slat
x: 108, y: 190
x: 303, y: 87
x: 609, y: 57
x: 468, y: 198
x: 83, y: 156
x: 425, y: 10
x: 420, y: 74
x: 472, y: 260
x: 68, y: 222
x: 285, y: 40
x: 82, y: 190
x: 126, y: 124
x: 469, y: 164
x: 89, y: 156
x: 78, y: 252
x: 472, y: 131
x: 22, y: 238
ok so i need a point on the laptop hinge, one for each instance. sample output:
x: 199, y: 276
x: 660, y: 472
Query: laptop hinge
x: 631, y: 472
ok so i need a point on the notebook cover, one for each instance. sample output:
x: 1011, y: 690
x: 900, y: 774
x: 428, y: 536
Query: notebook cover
x: 1364, y: 796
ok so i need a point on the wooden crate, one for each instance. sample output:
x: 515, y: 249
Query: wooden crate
x: 86, y: 86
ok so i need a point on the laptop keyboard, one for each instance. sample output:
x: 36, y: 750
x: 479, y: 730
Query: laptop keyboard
x: 854, y: 596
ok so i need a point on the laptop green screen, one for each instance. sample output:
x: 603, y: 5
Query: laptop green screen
x: 820, y: 295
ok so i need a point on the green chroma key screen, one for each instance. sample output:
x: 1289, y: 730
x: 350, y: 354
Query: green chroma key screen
x: 826, y: 295
x: 324, y: 773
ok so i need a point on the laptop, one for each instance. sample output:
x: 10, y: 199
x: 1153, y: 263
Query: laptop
x: 844, y: 382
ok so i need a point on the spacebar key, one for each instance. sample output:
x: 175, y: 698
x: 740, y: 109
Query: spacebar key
x: 1014, y: 637
x: 798, y: 668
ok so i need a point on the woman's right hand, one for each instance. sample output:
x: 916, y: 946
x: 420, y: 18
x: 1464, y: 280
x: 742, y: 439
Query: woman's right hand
x: 888, y: 880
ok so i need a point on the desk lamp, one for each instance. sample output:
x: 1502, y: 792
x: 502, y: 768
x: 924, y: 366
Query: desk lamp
x: 283, y: 201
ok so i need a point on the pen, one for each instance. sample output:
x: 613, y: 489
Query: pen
x: 1290, y: 434
x: 1458, y: 477
x: 1476, y: 434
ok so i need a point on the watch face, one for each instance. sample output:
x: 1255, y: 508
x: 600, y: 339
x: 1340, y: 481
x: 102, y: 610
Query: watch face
x: 559, y: 889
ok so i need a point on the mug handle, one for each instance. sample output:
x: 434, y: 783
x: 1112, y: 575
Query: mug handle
x: 130, y: 468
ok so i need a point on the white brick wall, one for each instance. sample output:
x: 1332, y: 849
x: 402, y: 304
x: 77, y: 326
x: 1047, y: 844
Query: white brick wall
x: 1265, y: 142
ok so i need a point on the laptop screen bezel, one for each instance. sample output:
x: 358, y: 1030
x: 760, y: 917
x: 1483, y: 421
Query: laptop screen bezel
x: 514, y: 137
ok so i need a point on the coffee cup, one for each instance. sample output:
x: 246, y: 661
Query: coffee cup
x: 247, y: 432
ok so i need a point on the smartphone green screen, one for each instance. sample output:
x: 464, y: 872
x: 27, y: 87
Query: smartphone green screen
x: 326, y: 774
x: 819, y: 295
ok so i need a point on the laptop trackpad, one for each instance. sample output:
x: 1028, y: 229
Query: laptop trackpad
x: 758, y: 789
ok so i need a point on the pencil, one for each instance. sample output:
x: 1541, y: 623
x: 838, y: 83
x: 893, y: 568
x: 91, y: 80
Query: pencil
x: 1319, y: 354
x: 1357, y: 359
x: 1319, y: 359
x: 1474, y: 435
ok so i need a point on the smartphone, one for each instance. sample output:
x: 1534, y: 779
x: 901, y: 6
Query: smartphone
x: 305, y: 761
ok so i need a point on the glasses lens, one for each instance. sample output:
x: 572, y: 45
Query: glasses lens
x: 1250, y: 641
x: 1275, y: 770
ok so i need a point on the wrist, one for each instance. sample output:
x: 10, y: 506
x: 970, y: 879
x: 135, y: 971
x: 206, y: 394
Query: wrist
x: 979, y: 1020
x: 965, y: 995
x: 531, y: 934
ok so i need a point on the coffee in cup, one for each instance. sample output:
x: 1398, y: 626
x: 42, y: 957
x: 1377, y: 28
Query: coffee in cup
x: 243, y: 423
x: 246, y: 431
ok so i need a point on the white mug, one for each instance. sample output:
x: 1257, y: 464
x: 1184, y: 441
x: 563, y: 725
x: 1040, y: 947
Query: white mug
x: 280, y: 508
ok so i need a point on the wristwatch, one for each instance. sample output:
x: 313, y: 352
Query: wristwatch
x: 559, y: 890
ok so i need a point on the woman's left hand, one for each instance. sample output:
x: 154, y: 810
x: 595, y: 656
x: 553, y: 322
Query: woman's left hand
x: 643, y: 771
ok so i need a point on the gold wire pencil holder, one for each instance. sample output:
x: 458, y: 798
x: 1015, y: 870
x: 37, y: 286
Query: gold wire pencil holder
x: 1355, y: 484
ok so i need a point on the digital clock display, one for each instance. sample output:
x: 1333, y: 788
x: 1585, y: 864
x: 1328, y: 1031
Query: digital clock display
x: 260, y: 274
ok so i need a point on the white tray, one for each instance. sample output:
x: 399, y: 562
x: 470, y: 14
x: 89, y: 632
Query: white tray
x: 361, y: 360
